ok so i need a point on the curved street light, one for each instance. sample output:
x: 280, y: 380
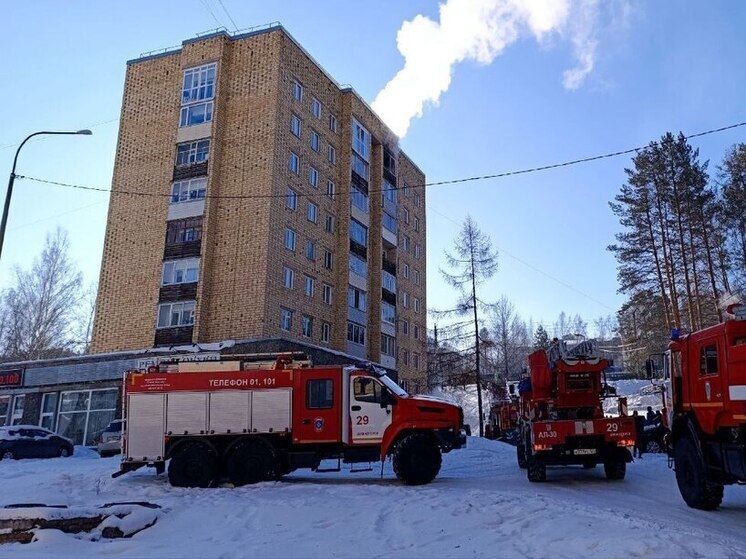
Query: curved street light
x: 13, y: 174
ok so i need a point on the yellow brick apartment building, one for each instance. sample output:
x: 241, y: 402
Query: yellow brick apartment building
x: 254, y: 197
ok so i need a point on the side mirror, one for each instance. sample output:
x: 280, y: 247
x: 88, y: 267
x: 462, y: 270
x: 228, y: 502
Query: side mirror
x: 387, y: 399
x: 649, y: 368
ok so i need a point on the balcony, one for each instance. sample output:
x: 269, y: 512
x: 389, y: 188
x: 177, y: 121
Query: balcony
x: 177, y: 292
x: 182, y: 250
x: 358, y: 249
x: 173, y: 336
x: 190, y: 171
x: 389, y: 267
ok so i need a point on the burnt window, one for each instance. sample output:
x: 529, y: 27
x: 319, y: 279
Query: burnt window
x: 708, y: 360
x: 319, y: 394
x: 184, y: 231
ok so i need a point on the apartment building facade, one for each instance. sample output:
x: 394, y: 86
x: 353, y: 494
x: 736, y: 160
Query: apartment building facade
x: 254, y: 197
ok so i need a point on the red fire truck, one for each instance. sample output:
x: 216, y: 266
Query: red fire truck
x: 562, y: 420
x: 705, y: 374
x: 250, y: 421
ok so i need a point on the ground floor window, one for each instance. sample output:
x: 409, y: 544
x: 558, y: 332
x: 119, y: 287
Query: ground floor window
x: 4, y: 409
x: 49, y: 410
x: 19, y: 402
x: 84, y: 414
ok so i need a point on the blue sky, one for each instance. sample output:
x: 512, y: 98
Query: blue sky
x: 674, y: 66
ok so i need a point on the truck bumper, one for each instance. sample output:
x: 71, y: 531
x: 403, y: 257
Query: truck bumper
x: 450, y: 439
x: 584, y: 454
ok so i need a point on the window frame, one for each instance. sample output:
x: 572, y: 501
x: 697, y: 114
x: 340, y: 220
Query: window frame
x: 292, y: 199
x: 182, y: 310
x: 288, y: 277
x: 296, y: 126
x: 312, y: 212
x: 316, y: 107
x: 183, y: 265
x: 289, y: 235
x: 286, y: 317
x: 186, y: 189
x: 328, y: 402
x: 313, y: 176
x: 294, y: 163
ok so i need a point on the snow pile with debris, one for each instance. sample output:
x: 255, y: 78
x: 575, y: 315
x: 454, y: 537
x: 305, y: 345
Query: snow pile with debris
x: 481, y: 505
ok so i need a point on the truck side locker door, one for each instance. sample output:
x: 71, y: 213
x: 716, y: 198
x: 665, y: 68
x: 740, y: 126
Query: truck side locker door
x: 709, y: 366
x: 369, y: 419
x: 317, y: 406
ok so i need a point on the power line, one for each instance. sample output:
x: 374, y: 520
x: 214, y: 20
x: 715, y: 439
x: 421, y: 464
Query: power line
x: 207, y: 7
x: 228, y: 14
x: 42, y: 138
x: 57, y: 215
x: 406, y: 186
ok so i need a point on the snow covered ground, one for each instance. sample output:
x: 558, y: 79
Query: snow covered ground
x: 481, y: 505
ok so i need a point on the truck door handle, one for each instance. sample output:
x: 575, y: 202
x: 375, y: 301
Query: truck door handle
x: 306, y: 422
x: 355, y: 408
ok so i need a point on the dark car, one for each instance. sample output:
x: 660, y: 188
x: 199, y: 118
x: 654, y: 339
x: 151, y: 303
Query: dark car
x: 655, y: 438
x: 109, y: 442
x: 31, y: 441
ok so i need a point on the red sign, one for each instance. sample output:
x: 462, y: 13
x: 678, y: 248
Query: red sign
x: 11, y: 378
x: 238, y: 380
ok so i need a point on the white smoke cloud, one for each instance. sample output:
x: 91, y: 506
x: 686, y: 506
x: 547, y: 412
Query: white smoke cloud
x: 478, y: 30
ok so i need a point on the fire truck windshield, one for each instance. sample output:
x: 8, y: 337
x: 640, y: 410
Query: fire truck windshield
x: 391, y: 385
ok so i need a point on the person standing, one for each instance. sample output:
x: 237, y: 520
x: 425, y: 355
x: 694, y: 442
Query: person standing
x: 640, y: 438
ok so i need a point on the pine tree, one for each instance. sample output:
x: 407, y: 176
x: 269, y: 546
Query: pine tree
x: 541, y: 338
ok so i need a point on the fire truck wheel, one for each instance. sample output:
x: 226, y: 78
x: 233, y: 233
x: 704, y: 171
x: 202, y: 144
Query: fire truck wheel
x: 520, y: 452
x: 615, y: 470
x: 417, y: 459
x: 536, y: 470
x: 250, y: 461
x: 193, y: 465
x: 692, y: 478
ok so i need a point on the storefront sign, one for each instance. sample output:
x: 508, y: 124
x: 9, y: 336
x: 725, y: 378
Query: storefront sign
x: 11, y: 378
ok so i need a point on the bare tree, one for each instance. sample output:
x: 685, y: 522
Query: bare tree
x: 82, y: 328
x: 473, y: 262
x: 39, y: 308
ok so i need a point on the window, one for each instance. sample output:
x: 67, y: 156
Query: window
x: 360, y: 166
x: 288, y: 276
x: 388, y: 345
x: 366, y: 389
x: 389, y: 222
x: 297, y: 91
x: 198, y: 88
x: 329, y: 223
x: 416, y: 250
x: 198, y: 84
x: 405, y: 272
x: 405, y: 327
x: 326, y: 293
x: 358, y: 265
x: 708, y: 360
x: 355, y: 333
x: 180, y: 271
x: 293, y: 163
x: 359, y: 198
x: 19, y: 403
x: 331, y: 189
x: 407, y: 243
x: 389, y: 192
x: 405, y: 357
x: 326, y: 329
x: 289, y: 239
x: 48, y: 411
x: 388, y: 312
x: 405, y: 300
x: 292, y: 201
x: 312, y: 212
x: 313, y: 177
x: 333, y: 123
x: 406, y: 216
x: 4, y: 409
x: 310, y: 286
x: 183, y: 231
x: 360, y: 140
x: 358, y: 232
x: 416, y: 200
x: 416, y: 305
x: 187, y: 190
x: 307, y: 326
x: 328, y: 259
x: 388, y: 281
x: 416, y: 223
x: 405, y: 190
x: 389, y: 161
x: 314, y: 140
x: 295, y: 125
x: 171, y: 315
x: 331, y: 154
x: 286, y: 319
x: 310, y: 250
x: 416, y: 277
x: 315, y: 107
x: 356, y: 298
x: 84, y: 414
x: 319, y: 394
x: 416, y: 332
x: 416, y: 361
x: 190, y: 153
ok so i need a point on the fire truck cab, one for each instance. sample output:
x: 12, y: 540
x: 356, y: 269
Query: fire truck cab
x: 248, y: 421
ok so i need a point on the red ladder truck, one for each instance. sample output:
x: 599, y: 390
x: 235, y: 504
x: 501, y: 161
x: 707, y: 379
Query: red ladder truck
x: 561, y: 414
x: 248, y: 421
x: 705, y: 380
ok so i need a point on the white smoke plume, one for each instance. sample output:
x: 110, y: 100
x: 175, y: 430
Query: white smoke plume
x: 478, y: 30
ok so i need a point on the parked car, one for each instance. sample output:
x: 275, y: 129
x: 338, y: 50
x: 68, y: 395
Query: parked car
x: 109, y: 443
x: 655, y: 438
x: 32, y: 441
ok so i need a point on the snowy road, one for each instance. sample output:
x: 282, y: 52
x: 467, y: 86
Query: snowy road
x: 480, y: 506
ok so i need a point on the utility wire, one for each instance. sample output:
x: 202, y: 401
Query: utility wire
x: 406, y: 186
x: 228, y: 14
x: 42, y: 138
x: 207, y: 7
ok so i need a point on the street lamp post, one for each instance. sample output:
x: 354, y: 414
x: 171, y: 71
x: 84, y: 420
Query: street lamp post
x: 13, y: 176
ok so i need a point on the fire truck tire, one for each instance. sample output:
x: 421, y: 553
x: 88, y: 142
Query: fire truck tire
x: 691, y: 478
x: 615, y: 470
x: 250, y: 461
x: 520, y: 452
x: 193, y: 465
x: 417, y: 459
x: 536, y: 471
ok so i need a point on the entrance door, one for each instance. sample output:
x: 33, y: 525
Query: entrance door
x: 370, y: 412
x: 316, y: 413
